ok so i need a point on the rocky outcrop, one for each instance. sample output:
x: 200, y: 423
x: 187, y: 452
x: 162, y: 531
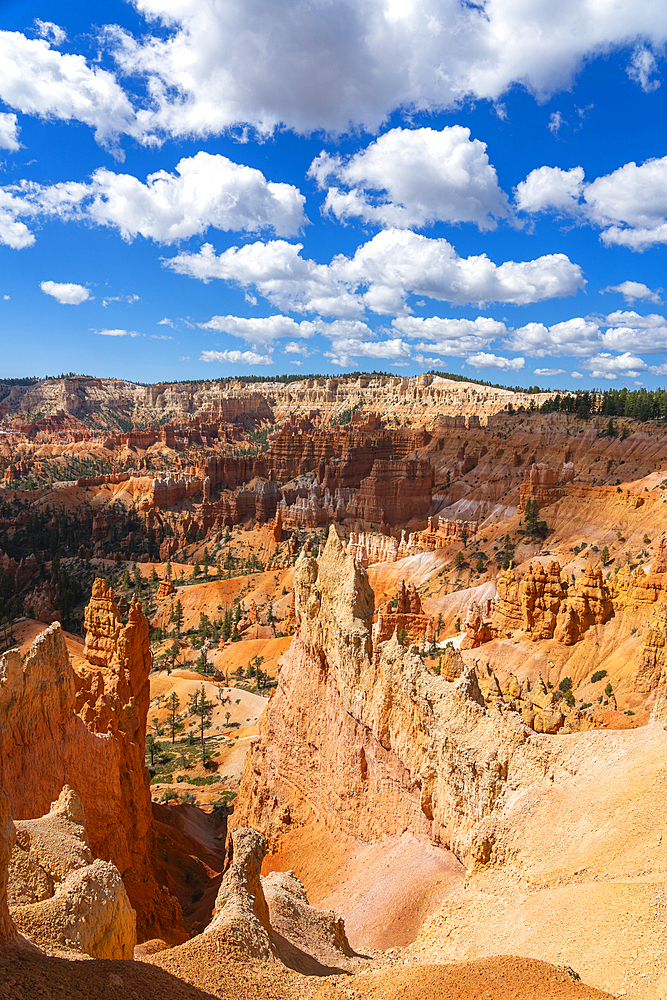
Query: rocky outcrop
x: 541, y: 606
x: 241, y: 914
x: 507, y: 612
x: 406, y: 618
x: 165, y: 588
x: 270, y: 918
x: 650, y: 674
x: 541, y: 594
x: 39, y: 604
x: 59, y: 896
x: 369, y: 547
x: 588, y: 603
x: 544, y: 484
x: 319, y: 934
x: 44, y: 744
x: 366, y: 739
x: 396, y: 492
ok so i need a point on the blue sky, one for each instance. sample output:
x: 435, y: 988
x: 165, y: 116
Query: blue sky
x: 197, y: 188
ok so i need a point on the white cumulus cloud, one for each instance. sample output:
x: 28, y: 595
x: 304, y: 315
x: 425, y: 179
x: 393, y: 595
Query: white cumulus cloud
x: 608, y: 366
x: 259, y: 330
x: 330, y: 64
x: 37, y: 80
x: 550, y: 189
x: 629, y: 205
x: 484, y: 360
x: 548, y: 371
x: 632, y: 290
x: 381, y: 275
x: 628, y: 331
x: 66, y: 292
x: 450, y: 336
x: 576, y: 337
x: 237, y: 357
x: 206, y: 190
x: 421, y: 176
x: 9, y: 138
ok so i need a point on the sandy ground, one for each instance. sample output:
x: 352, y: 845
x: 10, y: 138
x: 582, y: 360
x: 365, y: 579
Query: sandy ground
x: 383, y: 891
x: 198, y: 970
x: 503, y: 978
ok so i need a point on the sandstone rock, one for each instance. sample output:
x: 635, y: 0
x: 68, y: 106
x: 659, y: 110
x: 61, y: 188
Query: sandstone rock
x: 650, y: 672
x: 588, y: 603
x: 477, y: 627
x: 395, y: 492
x: 43, y: 737
x: 165, y: 588
x: 316, y: 933
x: 59, y: 896
x: 102, y: 625
x: 451, y: 664
x: 408, y: 617
x: 241, y: 913
x: 7, y: 834
x: 541, y: 595
x: 39, y: 604
x: 291, y: 622
x: 543, y: 484
x: 507, y: 614
x: 368, y: 741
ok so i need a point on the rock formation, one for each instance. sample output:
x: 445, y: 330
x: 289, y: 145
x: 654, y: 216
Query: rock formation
x: 59, y: 896
x: 544, y: 484
x: 369, y: 547
x: 541, y: 606
x: 241, y: 913
x: 270, y: 918
x: 541, y: 594
x: 588, y: 603
x: 397, y: 491
x: 407, y: 618
x: 7, y: 835
x: 366, y: 739
x: 43, y: 705
x: 650, y: 675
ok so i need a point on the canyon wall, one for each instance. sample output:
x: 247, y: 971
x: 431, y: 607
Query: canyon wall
x: 365, y: 739
x: 7, y: 837
x: 87, y: 730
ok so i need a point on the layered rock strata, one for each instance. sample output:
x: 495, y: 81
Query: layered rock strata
x: 366, y: 739
x: 544, y: 484
x: 397, y: 491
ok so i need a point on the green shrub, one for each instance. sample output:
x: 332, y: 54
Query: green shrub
x: 598, y: 675
x: 565, y: 684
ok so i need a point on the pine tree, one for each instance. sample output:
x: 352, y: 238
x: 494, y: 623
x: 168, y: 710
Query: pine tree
x: 203, y: 709
x: 174, y: 703
x: 176, y: 617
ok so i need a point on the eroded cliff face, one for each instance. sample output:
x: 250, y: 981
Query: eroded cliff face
x: 99, y: 752
x: 367, y: 740
x: 7, y: 836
